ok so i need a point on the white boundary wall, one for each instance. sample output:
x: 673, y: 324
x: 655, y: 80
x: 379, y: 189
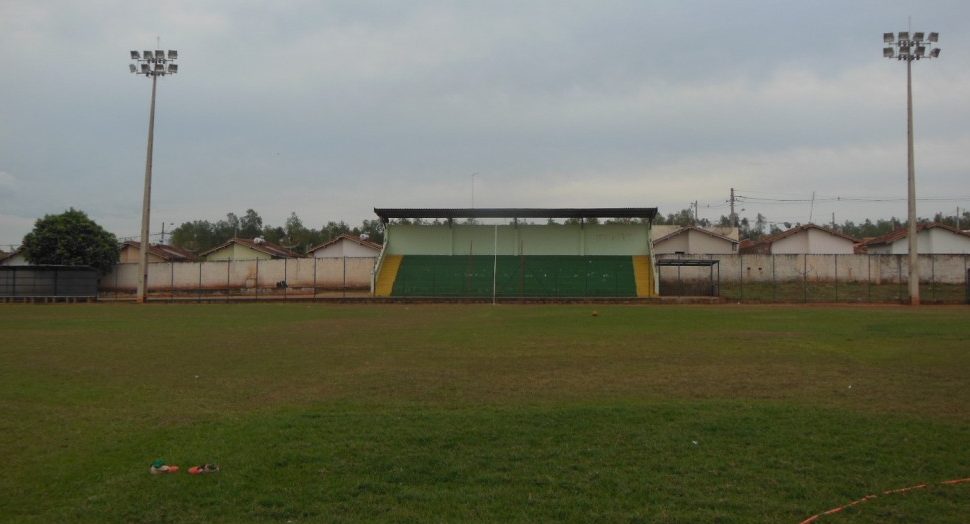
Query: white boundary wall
x: 877, y: 269
x: 254, y: 275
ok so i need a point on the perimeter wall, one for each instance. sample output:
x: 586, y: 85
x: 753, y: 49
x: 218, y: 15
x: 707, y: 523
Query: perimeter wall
x: 245, y: 277
x: 786, y: 278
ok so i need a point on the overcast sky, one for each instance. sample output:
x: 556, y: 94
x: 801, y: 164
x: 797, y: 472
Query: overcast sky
x: 329, y: 109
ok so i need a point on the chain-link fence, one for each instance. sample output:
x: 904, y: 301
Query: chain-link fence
x: 48, y: 282
x: 824, y: 278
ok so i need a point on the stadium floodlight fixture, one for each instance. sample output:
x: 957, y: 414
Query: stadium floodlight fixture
x: 908, y: 51
x: 151, y: 64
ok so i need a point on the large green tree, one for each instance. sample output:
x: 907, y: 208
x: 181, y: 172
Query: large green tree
x: 71, y: 239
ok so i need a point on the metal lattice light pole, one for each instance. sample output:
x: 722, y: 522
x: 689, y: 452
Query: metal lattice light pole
x: 152, y: 64
x: 908, y: 48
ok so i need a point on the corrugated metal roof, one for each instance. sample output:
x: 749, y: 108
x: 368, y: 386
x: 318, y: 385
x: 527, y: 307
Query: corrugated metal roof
x: 518, y: 212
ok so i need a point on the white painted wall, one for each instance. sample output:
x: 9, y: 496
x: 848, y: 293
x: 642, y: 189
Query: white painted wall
x: 945, y: 269
x: 935, y: 241
x: 320, y: 273
x: 16, y: 260
x: 691, y: 241
x: 345, y: 248
x: 812, y: 241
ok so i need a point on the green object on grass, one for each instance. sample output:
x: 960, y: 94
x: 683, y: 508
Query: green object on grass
x: 158, y: 463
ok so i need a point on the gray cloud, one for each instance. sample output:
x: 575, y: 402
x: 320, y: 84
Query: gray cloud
x: 329, y: 109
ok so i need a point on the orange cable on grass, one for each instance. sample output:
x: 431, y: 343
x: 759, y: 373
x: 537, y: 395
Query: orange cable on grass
x: 817, y: 516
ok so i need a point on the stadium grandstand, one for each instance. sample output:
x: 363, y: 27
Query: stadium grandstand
x: 428, y: 253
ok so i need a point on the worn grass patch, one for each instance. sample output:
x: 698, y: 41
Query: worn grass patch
x: 509, y: 413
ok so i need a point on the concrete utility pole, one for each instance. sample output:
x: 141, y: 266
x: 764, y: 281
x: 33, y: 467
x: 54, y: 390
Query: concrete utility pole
x: 909, y: 48
x: 151, y: 64
x: 734, y: 218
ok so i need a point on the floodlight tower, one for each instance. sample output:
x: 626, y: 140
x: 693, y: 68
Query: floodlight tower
x: 151, y: 64
x: 908, y: 48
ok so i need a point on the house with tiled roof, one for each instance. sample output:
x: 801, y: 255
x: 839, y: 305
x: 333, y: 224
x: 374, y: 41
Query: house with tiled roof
x: 346, y: 245
x: 131, y: 251
x: 694, y: 240
x: 16, y: 258
x: 931, y: 239
x: 247, y: 249
x: 808, y: 239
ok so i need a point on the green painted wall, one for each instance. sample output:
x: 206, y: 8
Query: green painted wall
x: 517, y: 276
x: 600, y: 239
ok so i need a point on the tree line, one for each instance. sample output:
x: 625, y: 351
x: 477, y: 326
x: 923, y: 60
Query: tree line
x: 760, y: 227
x: 202, y: 235
x: 72, y: 238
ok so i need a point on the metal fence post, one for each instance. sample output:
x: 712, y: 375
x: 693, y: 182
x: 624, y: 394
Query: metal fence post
x: 774, y: 281
x: 869, y: 278
x: 285, y: 283
x: 256, y: 283
x: 805, y: 276
x: 740, y: 278
x: 899, y: 276
x: 315, y: 260
x: 200, y: 281
x: 345, y: 277
x: 171, y: 291
x: 228, y: 263
x: 836, y: 277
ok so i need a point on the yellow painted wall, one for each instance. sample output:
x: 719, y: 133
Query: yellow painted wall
x: 387, y: 276
x: 643, y: 274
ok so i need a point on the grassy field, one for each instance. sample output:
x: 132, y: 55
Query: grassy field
x: 484, y: 413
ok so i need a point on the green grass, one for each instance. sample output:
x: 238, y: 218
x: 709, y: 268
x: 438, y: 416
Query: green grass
x: 482, y: 413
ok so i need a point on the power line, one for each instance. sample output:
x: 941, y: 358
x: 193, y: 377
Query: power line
x: 759, y: 200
